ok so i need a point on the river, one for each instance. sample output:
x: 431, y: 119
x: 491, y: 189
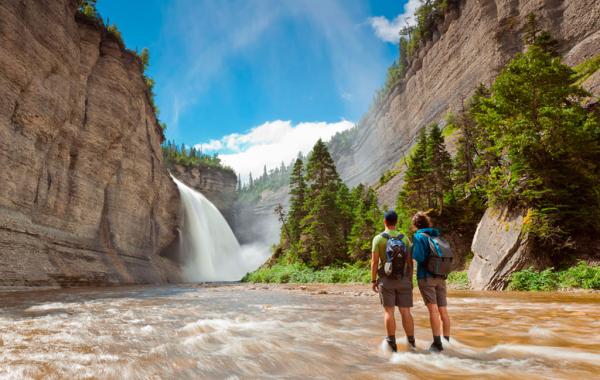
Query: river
x: 244, y: 331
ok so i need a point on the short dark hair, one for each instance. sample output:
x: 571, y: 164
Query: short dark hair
x: 421, y: 220
x: 391, y: 218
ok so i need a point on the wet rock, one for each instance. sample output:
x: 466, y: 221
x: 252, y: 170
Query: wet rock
x: 499, y: 247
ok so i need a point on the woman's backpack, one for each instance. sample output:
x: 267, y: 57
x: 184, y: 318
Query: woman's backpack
x: 439, y: 260
x: 397, y: 256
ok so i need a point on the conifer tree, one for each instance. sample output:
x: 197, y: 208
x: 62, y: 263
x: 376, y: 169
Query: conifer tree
x: 346, y: 205
x: 549, y: 144
x: 322, y: 234
x: 297, y: 199
x: 439, y: 163
x: 415, y: 193
x: 366, y: 221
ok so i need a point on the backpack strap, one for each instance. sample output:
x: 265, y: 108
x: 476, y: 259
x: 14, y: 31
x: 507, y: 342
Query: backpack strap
x: 385, y: 235
x: 429, y: 242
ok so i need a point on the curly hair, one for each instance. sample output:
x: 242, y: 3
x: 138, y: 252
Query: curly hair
x: 421, y: 220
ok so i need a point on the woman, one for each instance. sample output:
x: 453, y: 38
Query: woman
x: 432, y: 287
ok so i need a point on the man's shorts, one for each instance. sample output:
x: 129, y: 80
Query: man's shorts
x: 433, y: 290
x: 396, y: 292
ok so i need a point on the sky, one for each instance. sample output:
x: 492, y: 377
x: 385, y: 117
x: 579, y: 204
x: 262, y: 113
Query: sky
x: 257, y: 81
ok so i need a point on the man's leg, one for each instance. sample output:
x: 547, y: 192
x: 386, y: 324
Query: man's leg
x: 390, y: 327
x: 434, y: 319
x: 407, y: 321
x: 390, y: 321
x: 442, y: 302
x: 408, y: 325
x: 445, y: 321
x: 436, y: 327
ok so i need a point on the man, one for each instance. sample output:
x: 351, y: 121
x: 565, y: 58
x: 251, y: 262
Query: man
x: 432, y: 288
x: 393, y: 292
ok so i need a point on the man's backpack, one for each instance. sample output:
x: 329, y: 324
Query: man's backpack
x: 397, y: 256
x: 439, y: 260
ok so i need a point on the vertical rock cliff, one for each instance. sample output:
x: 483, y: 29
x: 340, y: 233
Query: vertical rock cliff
x: 470, y: 47
x: 84, y: 195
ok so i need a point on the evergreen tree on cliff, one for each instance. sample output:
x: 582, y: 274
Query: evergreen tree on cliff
x: 322, y: 238
x: 414, y: 194
x: 550, y: 146
x: 297, y: 199
x: 367, y: 219
x: 440, y: 168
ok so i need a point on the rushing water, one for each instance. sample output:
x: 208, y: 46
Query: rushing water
x: 211, y: 250
x: 234, y: 331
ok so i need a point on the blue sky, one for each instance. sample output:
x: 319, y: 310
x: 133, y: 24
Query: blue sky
x: 262, y: 76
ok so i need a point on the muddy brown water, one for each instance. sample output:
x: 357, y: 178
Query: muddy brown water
x: 237, y: 331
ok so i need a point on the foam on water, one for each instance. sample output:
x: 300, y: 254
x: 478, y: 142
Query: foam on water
x: 553, y: 353
x: 230, y: 331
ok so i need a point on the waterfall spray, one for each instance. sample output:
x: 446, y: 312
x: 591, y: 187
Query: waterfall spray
x: 211, y: 250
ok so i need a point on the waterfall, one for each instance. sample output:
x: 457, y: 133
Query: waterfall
x: 211, y: 251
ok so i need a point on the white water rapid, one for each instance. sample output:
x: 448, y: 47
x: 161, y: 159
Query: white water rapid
x: 209, y: 246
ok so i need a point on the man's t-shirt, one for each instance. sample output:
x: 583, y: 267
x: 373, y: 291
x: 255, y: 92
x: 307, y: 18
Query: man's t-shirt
x: 379, y: 245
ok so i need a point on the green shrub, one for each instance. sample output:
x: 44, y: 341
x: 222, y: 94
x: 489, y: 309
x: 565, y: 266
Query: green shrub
x: 585, y: 69
x: 113, y: 31
x: 302, y: 274
x: 582, y: 276
x: 459, y: 279
x: 88, y: 8
x: 529, y: 279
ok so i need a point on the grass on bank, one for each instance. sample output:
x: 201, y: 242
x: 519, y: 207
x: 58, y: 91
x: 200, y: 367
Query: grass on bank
x: 582, y: 276
x: 301, y: 274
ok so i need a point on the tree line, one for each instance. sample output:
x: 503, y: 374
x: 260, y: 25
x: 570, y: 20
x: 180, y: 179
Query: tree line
x: 190, y: 157
x: 327, y: 223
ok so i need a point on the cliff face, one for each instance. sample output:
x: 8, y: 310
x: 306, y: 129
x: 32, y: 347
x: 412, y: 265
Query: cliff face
x: 256, y: 221
x: 84, y: 196
x: 470, y: 47
x: 218, y: 185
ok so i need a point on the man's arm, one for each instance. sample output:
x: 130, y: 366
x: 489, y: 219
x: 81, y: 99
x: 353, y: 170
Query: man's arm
x: 374, y: 266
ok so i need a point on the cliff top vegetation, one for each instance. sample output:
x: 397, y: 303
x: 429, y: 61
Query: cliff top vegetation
x: 87, y: 11
x: 190, y: 157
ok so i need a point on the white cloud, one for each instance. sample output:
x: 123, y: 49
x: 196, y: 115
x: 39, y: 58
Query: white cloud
x: 271, y: 143
x: 388, y: 30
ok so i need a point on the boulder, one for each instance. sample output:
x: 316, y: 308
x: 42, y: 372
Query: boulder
x: 500, y: 247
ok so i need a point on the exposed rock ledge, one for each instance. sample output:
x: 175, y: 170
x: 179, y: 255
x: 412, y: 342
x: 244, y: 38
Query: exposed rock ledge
x: 499, y: 247
x: 84, y: 196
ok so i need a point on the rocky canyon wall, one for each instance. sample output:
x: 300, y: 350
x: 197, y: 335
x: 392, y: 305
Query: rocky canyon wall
x: 84, y: 196
x: 471, y: 47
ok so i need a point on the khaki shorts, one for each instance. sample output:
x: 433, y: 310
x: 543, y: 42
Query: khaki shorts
x: 396, y: 292
x: 433, y: 290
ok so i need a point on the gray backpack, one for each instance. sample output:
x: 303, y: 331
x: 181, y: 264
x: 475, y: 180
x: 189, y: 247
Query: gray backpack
x: 439, y: 260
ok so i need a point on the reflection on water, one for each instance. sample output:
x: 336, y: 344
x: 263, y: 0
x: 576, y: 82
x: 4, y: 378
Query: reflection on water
x: 234, y: 332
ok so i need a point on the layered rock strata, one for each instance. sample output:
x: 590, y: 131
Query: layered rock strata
x: 84, y: 196
x: 470, y: 47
